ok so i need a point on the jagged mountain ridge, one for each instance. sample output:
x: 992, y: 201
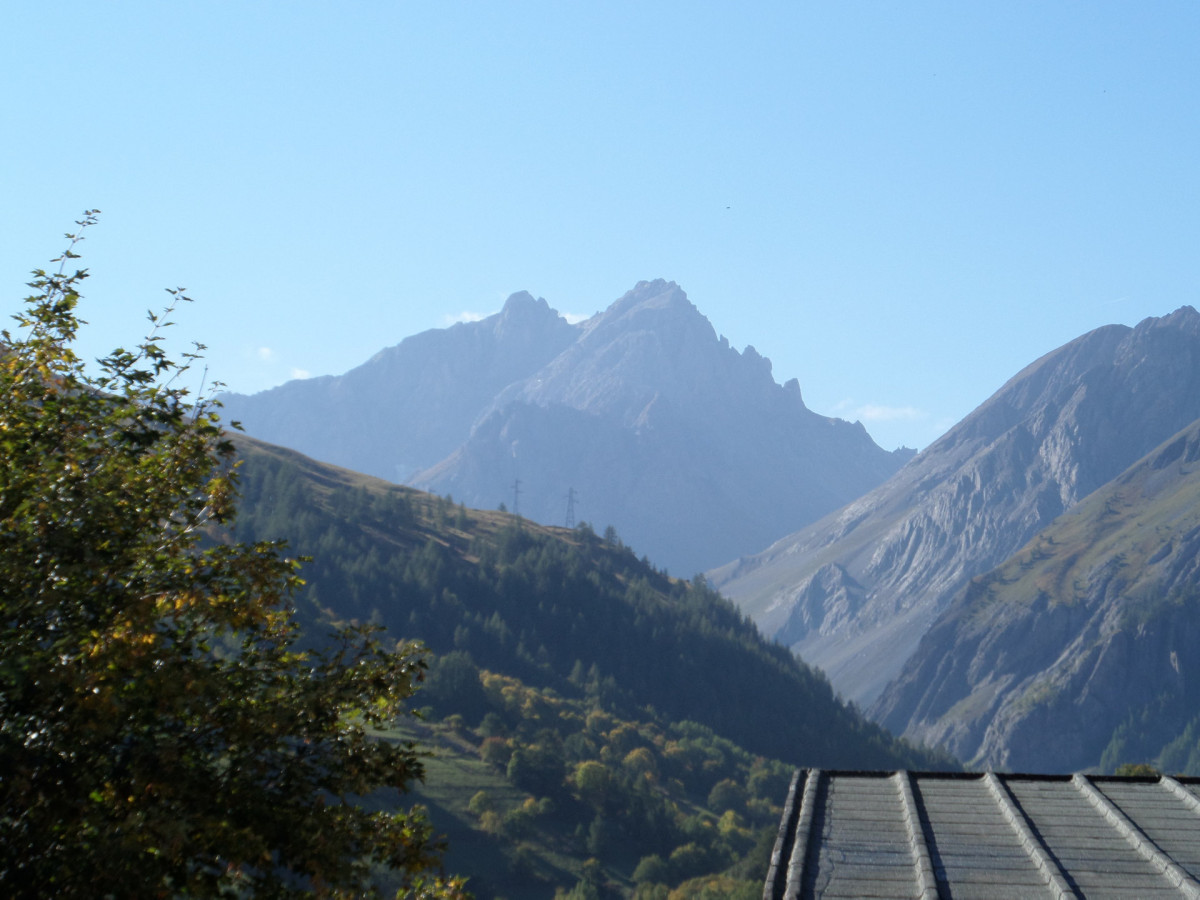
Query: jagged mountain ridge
x: 658, y: 427
x: 855, y: 592
x: 1092, y: 626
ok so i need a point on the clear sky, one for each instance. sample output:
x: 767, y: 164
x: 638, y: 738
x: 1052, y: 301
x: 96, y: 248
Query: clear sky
x: 900, y: 204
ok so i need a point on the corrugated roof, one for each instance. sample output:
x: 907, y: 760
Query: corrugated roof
x: 931, y: 835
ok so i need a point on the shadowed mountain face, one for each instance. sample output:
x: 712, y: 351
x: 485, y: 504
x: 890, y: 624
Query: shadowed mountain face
x: 648, y: 419
x: 1083, y: 649
x: 855, y: 592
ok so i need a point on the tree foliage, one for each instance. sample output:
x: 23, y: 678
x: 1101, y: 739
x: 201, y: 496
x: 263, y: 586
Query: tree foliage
x: 161, y: 734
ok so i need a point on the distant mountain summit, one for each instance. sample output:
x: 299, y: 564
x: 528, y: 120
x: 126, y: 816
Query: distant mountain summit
x: 650, y: 345
x: 642, y: 414
x: 855, y: 592
x: 412, y: 404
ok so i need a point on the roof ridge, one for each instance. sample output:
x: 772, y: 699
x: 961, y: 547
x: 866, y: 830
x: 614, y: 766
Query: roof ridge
x: 1047, y: 863
x: 1137, y: 839
x: 777, y: 873
x: 808, y: 807
x: 1190, y: 800
x: 926, y: 880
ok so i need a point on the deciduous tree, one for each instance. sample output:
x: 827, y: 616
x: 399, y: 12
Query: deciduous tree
x: 161, y: 734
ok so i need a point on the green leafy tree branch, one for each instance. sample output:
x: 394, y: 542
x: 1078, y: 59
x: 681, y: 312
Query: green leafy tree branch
x: 161, y: 733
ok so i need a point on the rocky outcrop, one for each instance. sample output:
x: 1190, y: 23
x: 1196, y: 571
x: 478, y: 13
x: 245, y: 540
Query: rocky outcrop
x: 1057, y: 431
x: 1038, y: 664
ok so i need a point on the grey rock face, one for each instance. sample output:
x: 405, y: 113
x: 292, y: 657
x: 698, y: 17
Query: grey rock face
x: 1038, y: 663
x: 1058, y: 430
x: 688, y: 447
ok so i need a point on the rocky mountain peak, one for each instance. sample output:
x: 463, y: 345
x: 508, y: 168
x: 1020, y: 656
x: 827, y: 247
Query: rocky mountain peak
x: 527, y: 317
x: 652, y: 354
x: 658, y: 293
x: 656, y: 306
x: 1183, y: 319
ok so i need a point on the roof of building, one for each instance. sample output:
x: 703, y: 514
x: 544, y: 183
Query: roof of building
x: 927, y: 835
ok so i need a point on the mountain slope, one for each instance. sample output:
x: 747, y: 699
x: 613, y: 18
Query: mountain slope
x: 855, y: 592
x: 642, y: 414
x: 557, y: 608
x: 1093, y: 626
x: 559, y: 764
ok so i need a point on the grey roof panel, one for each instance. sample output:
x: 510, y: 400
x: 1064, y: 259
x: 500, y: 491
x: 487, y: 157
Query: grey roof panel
x: 982, y: 837
x: 974, y: 851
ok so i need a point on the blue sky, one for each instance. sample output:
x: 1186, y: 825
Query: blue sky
x: 900, y: 204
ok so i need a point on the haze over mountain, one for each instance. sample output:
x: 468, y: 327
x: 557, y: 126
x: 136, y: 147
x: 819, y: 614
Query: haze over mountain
x: 855, y: 592
x: 642, y: 414
x: 1083, y: 649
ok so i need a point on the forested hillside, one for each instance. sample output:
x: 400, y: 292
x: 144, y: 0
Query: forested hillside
x: 558, y: 608
x: 536, y: 632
